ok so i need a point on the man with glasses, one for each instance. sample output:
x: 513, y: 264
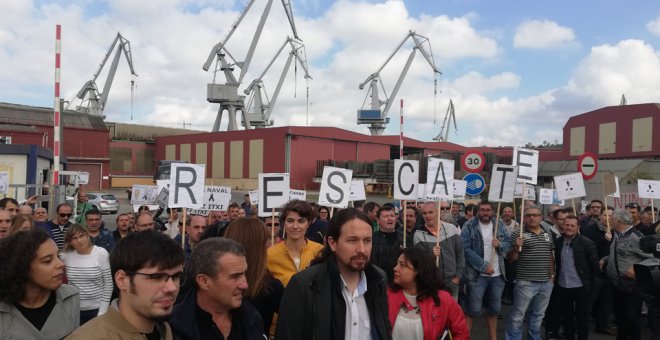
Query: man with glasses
x: 58, y: 226
x: 534, y: 251
x: 143, y: 222
x: 593, y: 214
x: 273, y: 223
x: 147, y: 269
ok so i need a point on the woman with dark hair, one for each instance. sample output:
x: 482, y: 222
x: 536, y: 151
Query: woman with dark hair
x: 21, y: 222
x: 324, y: 213
x: 264, y: 291
x: 296, y: 252
x: 88, y: 269
x: 34, y: 304
x: 419, y: 307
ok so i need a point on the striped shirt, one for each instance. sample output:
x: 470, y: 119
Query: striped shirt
x: 91, y: 275
x: 534, y: 259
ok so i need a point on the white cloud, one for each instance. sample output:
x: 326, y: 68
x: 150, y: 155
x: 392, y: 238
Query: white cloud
x: 542, y: 34
x: 474, y: 82
x: 654, y: 26
x: 344, y: 45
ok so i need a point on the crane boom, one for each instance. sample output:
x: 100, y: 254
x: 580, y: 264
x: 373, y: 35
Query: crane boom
x: 376, y: 116
x: 227, y: 94
x: 263, y: 111
x: 450, y: 116
x: 96, y: 99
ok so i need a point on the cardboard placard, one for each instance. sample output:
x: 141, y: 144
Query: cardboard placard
x: 357, y: 190
x: 439, y: 179
x: 648, y: 188
x: 335, y: 187
x: 406, y: 178
x: 570, y: 186
x: 186, y: 186
x: 502, y: 183
x: 144, y: 194
x: 527, y: 162
x: 274, y: 190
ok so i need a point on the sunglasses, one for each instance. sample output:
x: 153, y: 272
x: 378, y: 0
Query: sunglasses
x: 65, y: 215
x: 444, y: 208
x: 272, y: 224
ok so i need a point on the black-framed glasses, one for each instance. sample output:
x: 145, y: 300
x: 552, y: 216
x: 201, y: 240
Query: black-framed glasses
x: 65, y: 215
x: 160, y: 277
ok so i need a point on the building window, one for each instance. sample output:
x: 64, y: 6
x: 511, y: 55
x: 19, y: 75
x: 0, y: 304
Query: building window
x: 607, y: 138
x: 5, y: 139
x: 121, y: 160
x: 577, y: 141
x: 642, y: 134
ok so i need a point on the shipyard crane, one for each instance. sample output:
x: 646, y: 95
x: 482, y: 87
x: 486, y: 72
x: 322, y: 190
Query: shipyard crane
x: 227, y: 94
x: 376, y: 115
x: 89, y: 93
x: 263, y: 109
x: 444, y: 130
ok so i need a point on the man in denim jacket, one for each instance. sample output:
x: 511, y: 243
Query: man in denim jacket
x: 484, y: 272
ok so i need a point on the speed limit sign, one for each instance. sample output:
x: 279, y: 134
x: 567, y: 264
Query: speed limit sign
x: 473, y: 161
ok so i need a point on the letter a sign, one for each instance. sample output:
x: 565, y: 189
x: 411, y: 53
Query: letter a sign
x: 440, y: 179
x: 335, y: 187
x: 186, y: 186
x: 406, y: 179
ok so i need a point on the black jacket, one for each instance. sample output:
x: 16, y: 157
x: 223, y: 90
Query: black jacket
x: 184, y: 319
x: 385, y: 251
x: 313, y: 307
x: 596, y: 233
x: 585, y: 256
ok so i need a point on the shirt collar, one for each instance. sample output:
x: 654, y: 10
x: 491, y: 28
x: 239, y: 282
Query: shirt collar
x: 361, y: 287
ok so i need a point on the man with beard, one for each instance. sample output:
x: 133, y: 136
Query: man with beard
x: 214, y: 308
x: 147, y: 269
x: 341, y: 296
x: 386, y: 242
x: 484, y: 271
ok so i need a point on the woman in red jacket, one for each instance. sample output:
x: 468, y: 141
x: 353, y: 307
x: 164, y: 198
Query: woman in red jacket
x: 419, y: 307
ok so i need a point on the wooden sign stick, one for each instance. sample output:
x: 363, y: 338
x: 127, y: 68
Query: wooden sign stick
x: 405, y: 231
x: 183, y: 231
x: 437, y: 238
x: 272, y: 228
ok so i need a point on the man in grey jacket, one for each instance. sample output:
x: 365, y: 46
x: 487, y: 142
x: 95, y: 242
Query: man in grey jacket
x: 624, y: 253
x: 450, y: 249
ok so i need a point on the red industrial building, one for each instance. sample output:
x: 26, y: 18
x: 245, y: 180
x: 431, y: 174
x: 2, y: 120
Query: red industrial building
x: 614, y: 132
x: 84, y: 140
x: 235, y: 158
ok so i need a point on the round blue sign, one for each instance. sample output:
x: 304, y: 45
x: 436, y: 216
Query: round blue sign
x: 475, y: 184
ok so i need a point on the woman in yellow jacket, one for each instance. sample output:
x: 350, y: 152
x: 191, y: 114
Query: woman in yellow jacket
x: 296, y: 252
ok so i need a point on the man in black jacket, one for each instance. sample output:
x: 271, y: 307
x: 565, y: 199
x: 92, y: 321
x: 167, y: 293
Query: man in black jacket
x: 386, y: 242
x: 576, y: 264
x: 214, y: 307
x: 340, y: 286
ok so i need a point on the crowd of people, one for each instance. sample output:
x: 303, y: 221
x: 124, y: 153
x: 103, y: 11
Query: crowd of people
x: 365, y: 272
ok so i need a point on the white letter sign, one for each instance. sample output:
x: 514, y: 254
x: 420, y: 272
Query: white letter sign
x: 406, y: 177
x: 570, y: 186
x: 459, y: 189
x: 144, y: 194
x: 335, y: 187
x: 186, y: 186
x: 502, y: 183
x: 439, y: 179
x: 528, y: 164
x: 300, y: 195
x: 357, y: 190
x: 648, y: 189
x: 274, y: 192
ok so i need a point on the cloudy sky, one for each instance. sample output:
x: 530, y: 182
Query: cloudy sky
x: 515, y: 70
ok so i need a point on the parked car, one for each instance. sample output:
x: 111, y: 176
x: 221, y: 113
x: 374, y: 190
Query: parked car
x: 104, y: 202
